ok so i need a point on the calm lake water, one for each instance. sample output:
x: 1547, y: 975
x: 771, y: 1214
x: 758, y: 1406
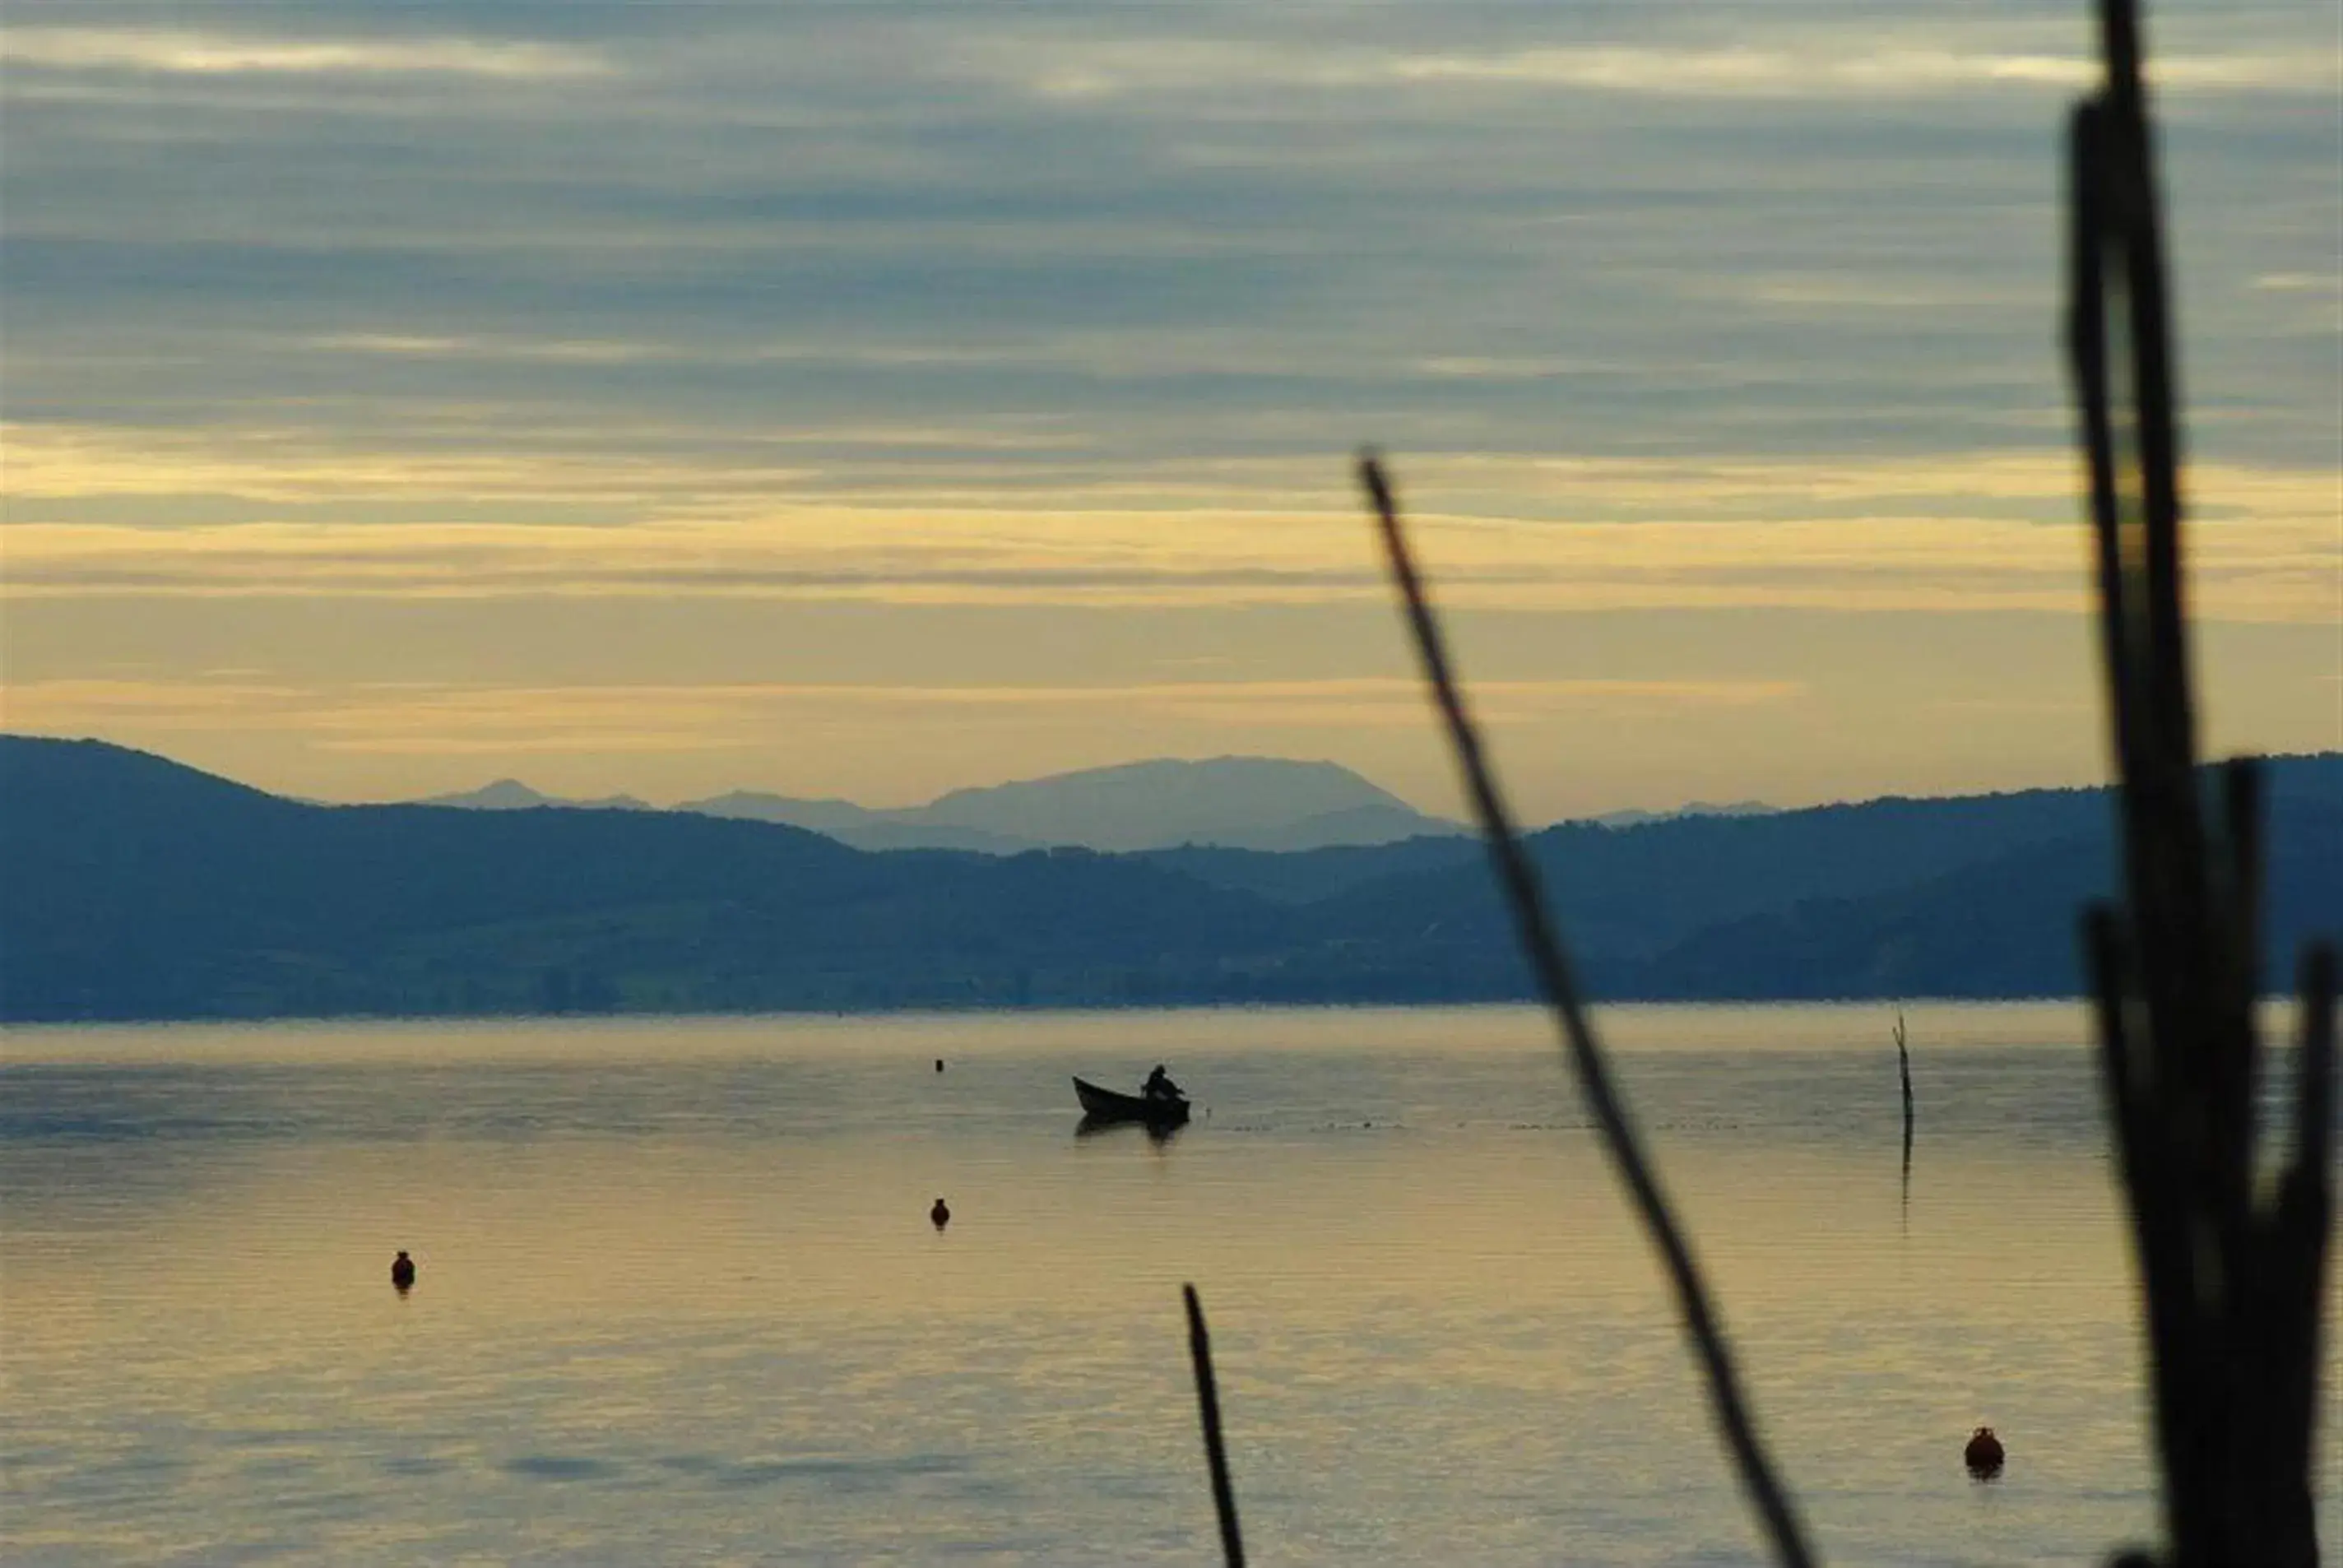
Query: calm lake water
x: 680, y: 1301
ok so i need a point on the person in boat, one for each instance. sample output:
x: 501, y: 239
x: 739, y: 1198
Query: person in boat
x: 402, y: 1273
x: 1984, y: 1455
x: 1160, y: 1087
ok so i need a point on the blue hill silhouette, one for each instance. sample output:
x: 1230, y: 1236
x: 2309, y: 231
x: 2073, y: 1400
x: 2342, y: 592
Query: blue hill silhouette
x: 133, y: 887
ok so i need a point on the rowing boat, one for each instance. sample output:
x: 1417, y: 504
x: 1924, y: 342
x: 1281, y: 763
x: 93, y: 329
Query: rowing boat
x: 1106, y: 1105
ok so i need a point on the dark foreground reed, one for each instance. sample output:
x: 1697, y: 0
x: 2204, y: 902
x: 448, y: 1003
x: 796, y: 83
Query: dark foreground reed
x: 2232, y: 1275
x: 1216, y: 1450
x: 1541, y: 941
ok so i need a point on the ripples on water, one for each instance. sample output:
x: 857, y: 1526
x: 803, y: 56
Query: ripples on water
x: 680, y: 1301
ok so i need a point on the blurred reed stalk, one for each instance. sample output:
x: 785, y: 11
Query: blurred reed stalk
x: 2233, y: 1274
x: 1216, y: 1454
x: 1541, y: 944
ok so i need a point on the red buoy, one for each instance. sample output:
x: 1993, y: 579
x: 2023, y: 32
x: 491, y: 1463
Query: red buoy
x: 1983, y: 1454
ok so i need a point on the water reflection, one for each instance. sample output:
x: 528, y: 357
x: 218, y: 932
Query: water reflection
x: 1159, y: 1133
x: 688, y: 1291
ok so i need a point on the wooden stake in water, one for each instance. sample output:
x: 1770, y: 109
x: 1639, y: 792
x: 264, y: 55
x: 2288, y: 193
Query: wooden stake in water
x: 1904, y: 1065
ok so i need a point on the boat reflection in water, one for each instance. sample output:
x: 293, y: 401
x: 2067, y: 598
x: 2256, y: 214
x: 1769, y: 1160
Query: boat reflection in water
x: 1158, y: 1133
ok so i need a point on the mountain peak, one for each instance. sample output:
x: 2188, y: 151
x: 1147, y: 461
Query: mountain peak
x: 1239, y: 803
x: 512, y: 795
x: 503, y: 795
x: 1252, y: 802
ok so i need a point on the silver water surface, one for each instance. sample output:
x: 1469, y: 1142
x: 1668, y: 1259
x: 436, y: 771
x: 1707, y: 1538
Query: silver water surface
x: 680, y: 1302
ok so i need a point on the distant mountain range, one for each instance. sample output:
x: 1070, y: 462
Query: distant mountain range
x: 1633, y: 819
x: 512, y: 795
x: 1236, y: 802
x: 1265, y: 803
x: 133, y: 887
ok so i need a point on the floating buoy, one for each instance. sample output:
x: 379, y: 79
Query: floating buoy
x: 402, y: 1273
x: 1984, y: 1455
x: 939, y: 1064
x: 941, y: 1214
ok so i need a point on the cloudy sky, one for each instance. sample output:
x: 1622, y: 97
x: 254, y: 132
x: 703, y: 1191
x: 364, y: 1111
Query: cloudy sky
x: 867, y: 399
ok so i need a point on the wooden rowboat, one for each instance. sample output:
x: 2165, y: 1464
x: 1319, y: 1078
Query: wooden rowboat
x: 1106, y: 1105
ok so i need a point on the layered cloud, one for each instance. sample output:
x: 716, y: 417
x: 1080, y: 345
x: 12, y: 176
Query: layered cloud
x: 166, y: 52
x: 923, y: 516
x: 445, y: 720
x: 1825, y: 66
x: 1061, y: 306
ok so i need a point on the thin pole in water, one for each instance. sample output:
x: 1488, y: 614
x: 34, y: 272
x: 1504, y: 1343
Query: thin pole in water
x: 1904, y: 1065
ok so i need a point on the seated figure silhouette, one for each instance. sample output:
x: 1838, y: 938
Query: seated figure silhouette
x: 1160, y: 1086
x: 1983, y: 1454
x: 402, y: 1273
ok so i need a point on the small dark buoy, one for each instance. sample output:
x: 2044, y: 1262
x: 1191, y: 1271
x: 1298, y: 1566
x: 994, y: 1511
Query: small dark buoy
x: 940, y: 1213
x: 1983, y: 1454
x: 402, y: 1273
x: 939, y: 1064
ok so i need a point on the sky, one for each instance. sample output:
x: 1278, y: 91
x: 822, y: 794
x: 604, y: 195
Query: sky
x: 870, y: 399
